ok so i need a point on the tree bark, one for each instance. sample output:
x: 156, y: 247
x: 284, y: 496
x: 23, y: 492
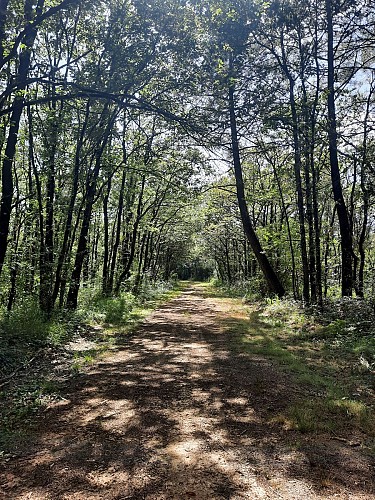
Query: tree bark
x: 105, y: 275
x: 125, y: 272
x: 273, y: 281
x: 109, y: 284
x: 346, y: 235
x: 69, y: 216
x: 297, y: 175
x: 10, y: 149
x: 72, y: 298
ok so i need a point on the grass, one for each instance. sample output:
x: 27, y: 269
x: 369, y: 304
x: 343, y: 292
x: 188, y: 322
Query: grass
x: 323, y: 354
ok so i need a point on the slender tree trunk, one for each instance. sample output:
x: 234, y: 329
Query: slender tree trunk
x: 10, y: 149
x: 14, y: 266
x: 313, y: 167
x: 361, y: 244
x: 72, y: 298
x: 342, y: 212
x: 327, y: 242
x: 300, y: 204
x: 138, y: 278
x: 146, y: 259
x: 294, y: 281
x: 117, y: 236
x: 308, y: 149
x: 105, y: 276
x: 227, y: 261
x: 125, y: 272
x: 69, y: 216
x: 274, y: 284
x: 318, y: 260
x: 46, y: 262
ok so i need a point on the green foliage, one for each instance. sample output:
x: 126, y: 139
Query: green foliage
x: 95, y: 308
x: 250, y: 290
x: 116, y: 309
x: 26, y: 323
x: 149, y: 291
x: 26, y: 330
x: 332, y: 362
x: 333, y: 329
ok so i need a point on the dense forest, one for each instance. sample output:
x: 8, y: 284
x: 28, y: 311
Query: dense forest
x: 147, y: 140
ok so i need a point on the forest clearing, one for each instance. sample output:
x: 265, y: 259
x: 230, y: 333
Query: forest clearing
x: 200, y: 402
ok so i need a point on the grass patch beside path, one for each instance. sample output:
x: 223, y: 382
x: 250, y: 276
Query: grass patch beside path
x: 331, y: 359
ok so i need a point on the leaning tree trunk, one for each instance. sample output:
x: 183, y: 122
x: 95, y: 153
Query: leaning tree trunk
x: 273, y: 281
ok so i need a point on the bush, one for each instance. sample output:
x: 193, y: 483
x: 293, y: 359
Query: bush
x: 117, y: 309
x: 250, y: 290
x: 152, y: 290
x: 114, y: 310
x: 26, y: 322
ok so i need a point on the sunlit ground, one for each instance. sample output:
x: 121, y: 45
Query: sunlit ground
x: 176, y: 413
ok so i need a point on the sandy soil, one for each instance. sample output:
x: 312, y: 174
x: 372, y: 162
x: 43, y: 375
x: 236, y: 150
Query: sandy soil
x: 175, y: 413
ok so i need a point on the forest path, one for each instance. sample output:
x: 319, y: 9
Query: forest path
x: 177, y: 413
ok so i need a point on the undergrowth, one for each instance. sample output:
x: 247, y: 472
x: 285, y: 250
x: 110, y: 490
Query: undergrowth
x: 330, y: 352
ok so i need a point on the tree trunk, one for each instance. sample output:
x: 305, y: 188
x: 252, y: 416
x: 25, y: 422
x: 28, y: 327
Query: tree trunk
x: 125, y: 272
x: 361, y: 244
x: 273, y: 282
x: 342, y: 212
x: 10, y: 149
x: 47, y: 245
x: 294, y: 282
x: 105, y: 276
x: 116, y: 244
x: 69, y: 216
x: 72, y: 298
x: 297, y: 175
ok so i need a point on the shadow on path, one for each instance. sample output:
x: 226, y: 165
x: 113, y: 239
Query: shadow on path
x: 176, y: 414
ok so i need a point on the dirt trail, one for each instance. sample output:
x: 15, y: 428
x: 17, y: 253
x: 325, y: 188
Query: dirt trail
x: 174, y: 414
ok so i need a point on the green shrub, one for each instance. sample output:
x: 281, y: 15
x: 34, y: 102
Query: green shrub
x: 113, y: 310
x: 117, y: 309
x: 26, y: 321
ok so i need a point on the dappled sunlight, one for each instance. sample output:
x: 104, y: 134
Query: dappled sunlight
x: 188, y: 451
x: 177, y: 413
